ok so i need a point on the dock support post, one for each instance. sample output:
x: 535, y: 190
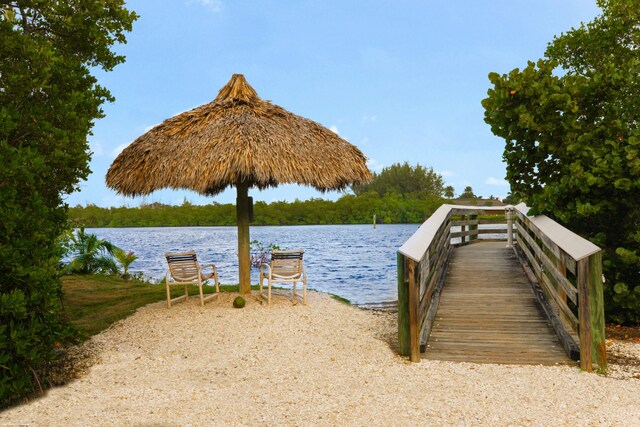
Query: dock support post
x: 509, y: 214
x: 584, y: 316
x: 414, y: 344
x: 404, y: 347
x: 473, y: 227
x: 596, y: 307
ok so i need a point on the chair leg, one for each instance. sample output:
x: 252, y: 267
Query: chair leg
x: 186, y: 292
x: 269, y: 296
x: 201, y: 295
x: 304, y: 291
x: 294, y: 293
x: 168, y: 296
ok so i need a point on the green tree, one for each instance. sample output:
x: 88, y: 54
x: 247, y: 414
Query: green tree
x: 468, y: 193
x: 406, y: 180
x: 48, y: 102
x: 570, y: 122
x: 511, y: 199
x: 449, y: 192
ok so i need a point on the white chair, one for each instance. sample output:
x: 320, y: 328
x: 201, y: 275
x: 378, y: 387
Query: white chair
x: 185, y: 270
x: 285, y: 266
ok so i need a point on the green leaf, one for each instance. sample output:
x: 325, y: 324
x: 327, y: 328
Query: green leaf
x: 620, y: 288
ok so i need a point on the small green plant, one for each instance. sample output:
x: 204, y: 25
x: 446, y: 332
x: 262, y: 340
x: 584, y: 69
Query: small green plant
x: 239, y: 302
x: 125, y: 259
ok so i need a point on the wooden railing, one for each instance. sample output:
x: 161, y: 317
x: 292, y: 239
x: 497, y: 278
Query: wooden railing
x: 565, y: 269
x: 568, y: 269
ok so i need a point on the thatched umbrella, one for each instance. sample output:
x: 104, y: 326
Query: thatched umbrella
x: 237, y: 140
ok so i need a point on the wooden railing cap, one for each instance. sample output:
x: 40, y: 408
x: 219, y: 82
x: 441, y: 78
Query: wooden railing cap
x: 574, y: 245
x: 419, y: 242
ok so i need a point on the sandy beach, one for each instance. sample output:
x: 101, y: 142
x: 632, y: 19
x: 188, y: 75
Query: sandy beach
x: 323, y: 364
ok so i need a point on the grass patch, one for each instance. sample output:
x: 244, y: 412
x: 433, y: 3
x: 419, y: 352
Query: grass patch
x: 93, y: 302
x: 341, y: 299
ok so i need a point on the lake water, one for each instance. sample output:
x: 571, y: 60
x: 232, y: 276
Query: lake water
x: 353, y: 261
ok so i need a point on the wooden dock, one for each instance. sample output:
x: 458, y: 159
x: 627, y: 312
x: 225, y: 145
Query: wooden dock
x: 488, y: 312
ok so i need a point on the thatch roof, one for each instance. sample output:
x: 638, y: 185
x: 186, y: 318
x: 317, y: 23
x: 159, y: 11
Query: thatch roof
x: 236, y: 137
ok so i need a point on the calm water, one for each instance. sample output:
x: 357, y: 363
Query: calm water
x: 353, y: 261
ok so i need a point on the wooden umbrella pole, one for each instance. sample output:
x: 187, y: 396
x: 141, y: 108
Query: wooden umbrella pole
x: 242, y: 214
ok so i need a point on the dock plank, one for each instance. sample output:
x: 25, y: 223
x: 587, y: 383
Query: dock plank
x: 488, y: 312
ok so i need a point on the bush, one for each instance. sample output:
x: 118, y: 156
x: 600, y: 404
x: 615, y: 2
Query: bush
x: 48, y: 101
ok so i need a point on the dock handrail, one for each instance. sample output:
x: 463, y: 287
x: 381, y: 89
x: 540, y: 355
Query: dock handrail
x: 567, y: 267
x: 569, y: 270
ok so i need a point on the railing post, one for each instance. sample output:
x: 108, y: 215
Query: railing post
x: 413, y: 312
x: 591, y: 310
x: 473, y: 228
x: 403, y: 309
x: 462, y: 230
x: 509, y: 214
x: 596, y: 308
x: 584, y: 315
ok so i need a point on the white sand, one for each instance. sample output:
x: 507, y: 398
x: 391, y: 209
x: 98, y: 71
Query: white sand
x: 321, y: 364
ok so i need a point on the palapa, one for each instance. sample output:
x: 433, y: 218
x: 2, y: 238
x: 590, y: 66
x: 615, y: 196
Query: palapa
x: 237, y: 140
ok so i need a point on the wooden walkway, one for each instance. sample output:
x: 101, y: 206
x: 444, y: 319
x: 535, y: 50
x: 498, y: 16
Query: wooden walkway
x: 488, y: 312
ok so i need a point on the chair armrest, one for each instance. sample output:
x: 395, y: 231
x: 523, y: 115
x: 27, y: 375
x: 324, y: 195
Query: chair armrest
x: 213, y: 266
x: 262, y: 268
x: 208, y: 276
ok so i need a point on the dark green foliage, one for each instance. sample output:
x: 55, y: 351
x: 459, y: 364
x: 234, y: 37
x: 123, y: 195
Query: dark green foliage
x: 410, y: 182
x: 48, y: 101
x: 348, y: 209
x: 511, y: 199
x: 570, y: 122
x: 91, y: 255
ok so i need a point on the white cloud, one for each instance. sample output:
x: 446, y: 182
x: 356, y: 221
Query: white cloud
x: 374, y: 165
x: 495, y: 181
x: 96, y: 149
x: 118, y: 150
x: 334, y: 129
x: 212, y: 5
x: 446, y: 173
x: 369, y: 119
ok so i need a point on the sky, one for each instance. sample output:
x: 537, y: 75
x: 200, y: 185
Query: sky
x: 402, y: 80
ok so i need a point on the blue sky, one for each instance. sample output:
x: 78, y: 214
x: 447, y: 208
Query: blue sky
x: 401, y: 80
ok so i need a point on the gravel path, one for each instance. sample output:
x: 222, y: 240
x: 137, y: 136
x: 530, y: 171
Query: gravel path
x: 323, y: 364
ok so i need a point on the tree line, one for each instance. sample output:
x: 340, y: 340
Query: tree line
x: 398, y: 194
x: 348, y: 209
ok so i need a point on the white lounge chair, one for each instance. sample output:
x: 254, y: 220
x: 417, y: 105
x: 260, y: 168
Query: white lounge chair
x: 185, y: 270
x: 285, y: 266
